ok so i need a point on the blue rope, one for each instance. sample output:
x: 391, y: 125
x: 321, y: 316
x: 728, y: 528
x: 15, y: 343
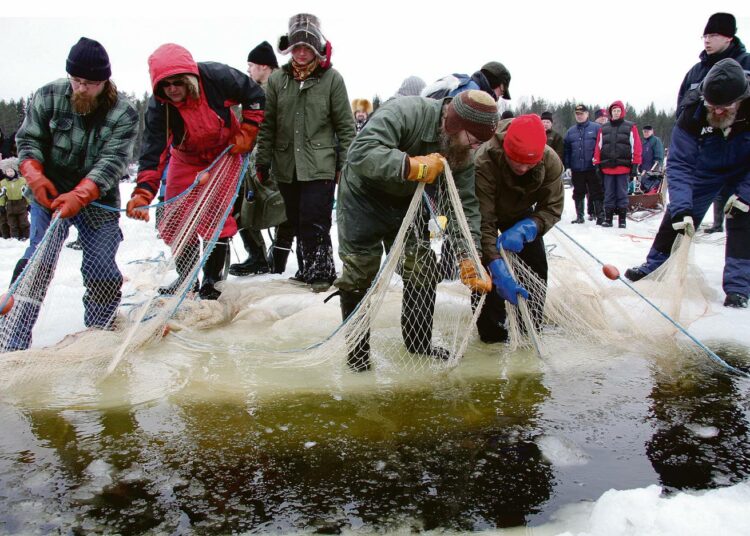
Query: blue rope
x: 710, y: 353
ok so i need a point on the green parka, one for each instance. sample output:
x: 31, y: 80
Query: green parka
x: 505, y: 198
x: 308, y: 126
x: 404, y: 126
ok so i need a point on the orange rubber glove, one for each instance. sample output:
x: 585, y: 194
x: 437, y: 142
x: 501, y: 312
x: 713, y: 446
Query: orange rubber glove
x: 70, y: 204
x: 425, y: 168
x: 471, y: 279
x: 244, y: 140
x: 141, y: 197
x: 44, y: 191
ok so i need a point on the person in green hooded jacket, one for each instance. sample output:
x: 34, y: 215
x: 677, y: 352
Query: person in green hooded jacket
x: 404, y: 143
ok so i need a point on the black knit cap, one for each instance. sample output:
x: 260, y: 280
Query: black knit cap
x: 263, y: 55
x: 88, y: 60
x: 548, y: 116
x: 722, y: 24
x: 725, y: 83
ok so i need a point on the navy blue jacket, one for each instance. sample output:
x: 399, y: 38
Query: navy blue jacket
x: 652, y: 150
x: 699, y: 152
x: 693, y: 78
x: 579, y: 143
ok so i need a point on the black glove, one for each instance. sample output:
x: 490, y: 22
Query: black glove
x: 634, y: 171
x: 598, y: 169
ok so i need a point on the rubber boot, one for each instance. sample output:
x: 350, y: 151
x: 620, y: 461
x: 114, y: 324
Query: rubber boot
x: 213, y: 270
x: 256, y: 262
x: 622, y: 217
x: 277, y: 258
x: 358, y: 351
x: 718, y: 226
x: 417, y: 311
x: 609, y: 215
x: 599, y: 211
x: 184, y: 264
x: 579, y: 211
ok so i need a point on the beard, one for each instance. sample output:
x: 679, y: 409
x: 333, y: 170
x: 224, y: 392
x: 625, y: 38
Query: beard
x: 457, y: 154
x: 84, y: 104
x: 722, y: 122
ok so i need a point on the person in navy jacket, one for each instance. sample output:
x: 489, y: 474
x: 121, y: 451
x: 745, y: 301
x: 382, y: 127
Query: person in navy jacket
x: 710, y: 150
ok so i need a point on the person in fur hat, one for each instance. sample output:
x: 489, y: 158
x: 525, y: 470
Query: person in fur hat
x: 303, y: 148
x: 362, y: 108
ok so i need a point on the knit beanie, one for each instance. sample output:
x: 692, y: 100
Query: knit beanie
x: 473, y: 111
x: 722, y: 24
x: 725, y: 83
x: 412, y: 85
x: 263, y: 55
x: 88, y: 60
x: 525, y: 139
x: 547, y: 116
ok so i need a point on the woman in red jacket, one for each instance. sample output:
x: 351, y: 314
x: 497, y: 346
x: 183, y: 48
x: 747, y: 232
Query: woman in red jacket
x: 189, y: 122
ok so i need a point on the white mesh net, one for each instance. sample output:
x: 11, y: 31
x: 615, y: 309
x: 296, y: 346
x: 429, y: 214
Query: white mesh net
x: 119, y: 317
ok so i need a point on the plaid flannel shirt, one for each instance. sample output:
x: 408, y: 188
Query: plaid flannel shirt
x: 71, y: 150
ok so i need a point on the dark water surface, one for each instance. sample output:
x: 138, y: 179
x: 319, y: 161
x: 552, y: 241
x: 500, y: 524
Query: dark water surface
x: 488, y: 445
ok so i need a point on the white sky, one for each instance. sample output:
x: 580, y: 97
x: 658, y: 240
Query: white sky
x: 591, y: 51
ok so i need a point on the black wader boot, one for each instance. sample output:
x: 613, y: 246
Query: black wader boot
x: 184, y: 263
x: 417, y: 311
x: 599, y: 211
x: 622, y: 217
x: 213, y: 270
x: 718, y: 226
x: 256, y: 262
x: 579, y: 211
x: 609, y: 215
x: 358, y: 351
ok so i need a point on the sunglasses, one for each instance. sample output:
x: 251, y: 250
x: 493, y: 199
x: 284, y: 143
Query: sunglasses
x: 175, y: 83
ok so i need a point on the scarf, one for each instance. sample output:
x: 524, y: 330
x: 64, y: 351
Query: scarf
x: 302, y: 72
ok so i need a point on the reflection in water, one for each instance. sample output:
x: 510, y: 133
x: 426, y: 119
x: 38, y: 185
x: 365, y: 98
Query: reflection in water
x: 460, y: 455
x: 701, y: 437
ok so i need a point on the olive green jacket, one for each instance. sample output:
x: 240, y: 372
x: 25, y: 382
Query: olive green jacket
x: 308, y: 126
x: 405, y: 126
x: 505, y: 198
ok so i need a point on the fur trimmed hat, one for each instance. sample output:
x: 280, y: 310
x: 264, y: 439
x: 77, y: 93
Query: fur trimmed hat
x: 473, y: 111
x: 362, y: 105
x: 304, y: 29
x: 263, y: 55
x: 525, y: 139
x: 88, y: 60
x: 721, y: 23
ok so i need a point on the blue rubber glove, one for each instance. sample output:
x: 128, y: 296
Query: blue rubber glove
x: 505, y: 286
x: 514, y: 238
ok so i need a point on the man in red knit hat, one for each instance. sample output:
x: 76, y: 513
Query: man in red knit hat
x: 520, y: 192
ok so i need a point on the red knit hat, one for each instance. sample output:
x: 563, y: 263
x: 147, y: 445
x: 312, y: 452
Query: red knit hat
x: 525, y: 139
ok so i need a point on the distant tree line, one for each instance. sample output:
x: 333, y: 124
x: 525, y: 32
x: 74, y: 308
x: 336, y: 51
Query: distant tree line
x: 12, y: 112
x: 564, y: 116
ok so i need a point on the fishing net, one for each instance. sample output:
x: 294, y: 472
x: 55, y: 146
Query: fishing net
x: 124, y: 309
x: 585, y: 306
x: 417, y: 315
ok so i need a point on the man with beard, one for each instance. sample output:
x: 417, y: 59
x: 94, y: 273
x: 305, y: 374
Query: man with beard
x: 710, y: 150
x: 403, y: 144
x: 73, y: 147
x: 520, y: 192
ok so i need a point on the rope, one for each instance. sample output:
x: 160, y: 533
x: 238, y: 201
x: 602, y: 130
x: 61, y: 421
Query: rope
x: 710, y: 353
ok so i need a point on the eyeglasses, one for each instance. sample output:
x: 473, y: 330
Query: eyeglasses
x: 721, y: 107
x: 709, y: 36
x: 175, y: 83
x: 80, y: 82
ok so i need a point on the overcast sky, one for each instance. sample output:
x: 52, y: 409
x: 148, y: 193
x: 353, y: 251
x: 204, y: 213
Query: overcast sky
x: 590, y: 51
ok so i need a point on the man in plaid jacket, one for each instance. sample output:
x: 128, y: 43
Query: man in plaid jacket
x: 73, y: 147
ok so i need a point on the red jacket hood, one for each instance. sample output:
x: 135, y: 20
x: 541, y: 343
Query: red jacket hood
x: 169, y: 60
x: 620, y: 105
